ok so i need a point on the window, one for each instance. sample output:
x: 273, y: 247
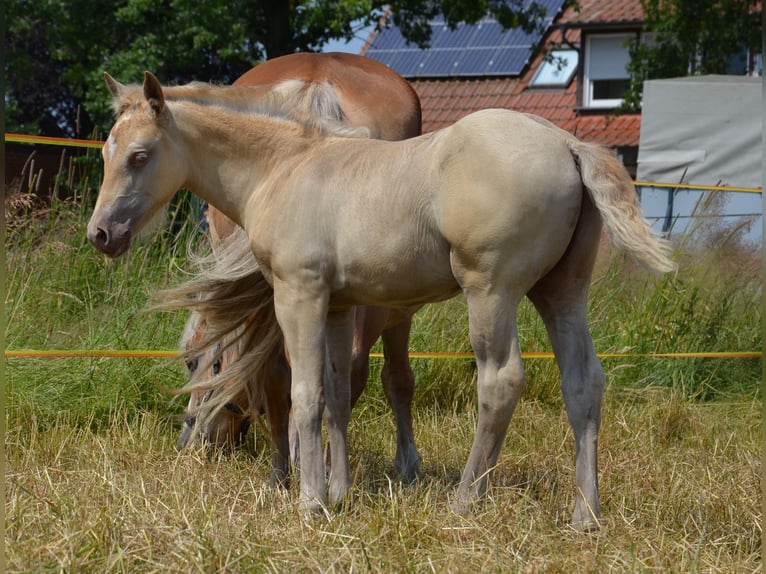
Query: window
x: 557, y: 70
x: 606, y: 75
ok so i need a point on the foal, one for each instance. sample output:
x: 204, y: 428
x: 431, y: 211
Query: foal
x: 498, y: 206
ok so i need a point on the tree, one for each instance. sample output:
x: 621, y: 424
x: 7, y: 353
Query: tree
x: 58, y: 49
x: 693, y: 37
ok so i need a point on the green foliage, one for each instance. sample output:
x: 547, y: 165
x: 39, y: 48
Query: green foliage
x: 59, y: 49
x: 692, y: 37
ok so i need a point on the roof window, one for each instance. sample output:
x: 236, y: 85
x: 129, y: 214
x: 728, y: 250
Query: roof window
x: 556, y: 70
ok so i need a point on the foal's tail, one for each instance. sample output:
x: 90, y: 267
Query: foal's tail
x: 611, y: 189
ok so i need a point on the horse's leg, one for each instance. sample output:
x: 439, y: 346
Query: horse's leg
x: 582, y: 383
x: 399, y: 385
x: 561, y: 299
x: 277, y: 391
x: 368, y: 324
x: 340, y: 332
x: 501, y: 380
x: 396, y: 375
x: 294, y: 442
x: 368, y: 327
x: 302, y: 314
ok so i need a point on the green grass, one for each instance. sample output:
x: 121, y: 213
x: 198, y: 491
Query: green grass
x: 93, y: 483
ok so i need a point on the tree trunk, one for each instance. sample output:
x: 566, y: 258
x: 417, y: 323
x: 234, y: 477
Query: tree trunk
x: 279, y: 33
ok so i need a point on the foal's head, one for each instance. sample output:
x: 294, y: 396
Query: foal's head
x: 141, y: 172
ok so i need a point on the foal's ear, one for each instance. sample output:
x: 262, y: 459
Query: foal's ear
x: 115, y: 88
x: 153, y: 93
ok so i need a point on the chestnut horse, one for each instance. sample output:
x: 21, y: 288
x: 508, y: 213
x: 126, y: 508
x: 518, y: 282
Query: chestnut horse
x: 497, y: 206
x: 369, y: 95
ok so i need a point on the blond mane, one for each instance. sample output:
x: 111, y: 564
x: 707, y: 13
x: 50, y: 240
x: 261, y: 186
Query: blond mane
x: 312, y: 105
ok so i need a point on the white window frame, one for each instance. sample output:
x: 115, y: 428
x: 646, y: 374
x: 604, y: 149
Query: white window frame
x: 588, y: 100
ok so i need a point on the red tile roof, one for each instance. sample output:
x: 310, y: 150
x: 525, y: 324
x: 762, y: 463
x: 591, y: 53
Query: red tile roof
x: 444, y: 101
x: 604, y: 12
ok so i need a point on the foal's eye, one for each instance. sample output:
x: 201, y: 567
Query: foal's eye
x: 138, y: 159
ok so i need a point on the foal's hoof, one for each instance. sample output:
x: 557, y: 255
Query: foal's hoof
x: 586, y: 518
x: 314, y: 508
x: 590, y: 524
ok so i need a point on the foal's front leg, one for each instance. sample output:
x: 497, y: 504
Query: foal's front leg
x: 302, y: 314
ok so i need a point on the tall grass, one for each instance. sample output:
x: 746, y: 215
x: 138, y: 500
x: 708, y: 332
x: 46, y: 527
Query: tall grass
x: 62, y: 294
x: 679, y: 485
x: 94, y: 483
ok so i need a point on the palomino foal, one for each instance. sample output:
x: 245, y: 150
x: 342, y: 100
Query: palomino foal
x: 498, y: 206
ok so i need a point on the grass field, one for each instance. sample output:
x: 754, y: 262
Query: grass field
x: 94, y: 484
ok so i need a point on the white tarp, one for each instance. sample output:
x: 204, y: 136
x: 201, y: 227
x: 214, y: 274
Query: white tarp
x: 710, y: 126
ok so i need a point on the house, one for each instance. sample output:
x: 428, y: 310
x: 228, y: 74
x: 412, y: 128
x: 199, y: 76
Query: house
x: 481, y: 66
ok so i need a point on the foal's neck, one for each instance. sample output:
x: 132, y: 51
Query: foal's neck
x: 232, y: 153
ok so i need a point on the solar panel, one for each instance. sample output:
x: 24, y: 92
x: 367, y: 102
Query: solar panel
x: 388, y: 39
x: 508, y: 61
x: 479, y: 49
x: 443, y: 37
x: 486, y: 33
x: 480, y: 61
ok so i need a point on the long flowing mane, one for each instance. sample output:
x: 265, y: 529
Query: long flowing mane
x: 238, y: 305
x: 313, y: 105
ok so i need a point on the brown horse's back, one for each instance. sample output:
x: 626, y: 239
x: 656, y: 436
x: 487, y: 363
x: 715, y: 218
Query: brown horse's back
x: 371, y: 94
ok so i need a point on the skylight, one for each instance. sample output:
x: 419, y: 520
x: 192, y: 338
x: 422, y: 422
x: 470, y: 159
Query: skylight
x: 557, y: 70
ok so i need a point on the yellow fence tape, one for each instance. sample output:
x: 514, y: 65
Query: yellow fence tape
x: 45, y: 140
x: 138, y: 354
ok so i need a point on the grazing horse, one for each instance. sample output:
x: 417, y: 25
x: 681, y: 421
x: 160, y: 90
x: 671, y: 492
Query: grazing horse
x: 497, y: 206
x: 365, y: 94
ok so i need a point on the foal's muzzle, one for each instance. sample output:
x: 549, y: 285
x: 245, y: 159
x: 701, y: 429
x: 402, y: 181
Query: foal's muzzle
x: 110, y: 238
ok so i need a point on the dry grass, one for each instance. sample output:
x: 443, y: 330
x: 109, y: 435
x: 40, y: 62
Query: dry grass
x: 679, y: 481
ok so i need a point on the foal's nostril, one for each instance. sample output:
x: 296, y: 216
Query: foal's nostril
x: 102, y: 237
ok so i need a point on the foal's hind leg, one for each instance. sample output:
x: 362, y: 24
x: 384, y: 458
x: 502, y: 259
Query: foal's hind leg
x: 582, y: 383
x: 501, y: 381
x: 561, y: 299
